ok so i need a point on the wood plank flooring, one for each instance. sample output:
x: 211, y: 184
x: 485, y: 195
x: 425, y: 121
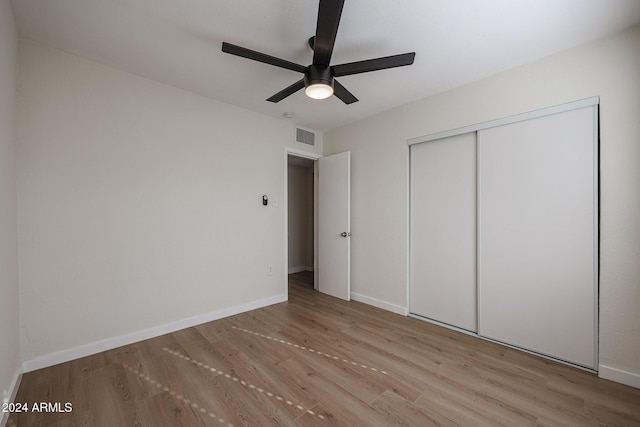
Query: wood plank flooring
x: 319, y: 361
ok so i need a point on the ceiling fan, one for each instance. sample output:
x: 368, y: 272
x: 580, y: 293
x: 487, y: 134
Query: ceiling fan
x: 319, y: 77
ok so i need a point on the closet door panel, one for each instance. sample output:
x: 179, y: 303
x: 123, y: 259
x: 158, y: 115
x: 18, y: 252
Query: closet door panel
x: 443, y: 230
x: 537, y: 240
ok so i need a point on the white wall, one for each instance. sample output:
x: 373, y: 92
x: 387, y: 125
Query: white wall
x: 378, y: 205
x: 300, y: 218
x: 140, y: 205
x: 608, y: 68
x: 9, y: 303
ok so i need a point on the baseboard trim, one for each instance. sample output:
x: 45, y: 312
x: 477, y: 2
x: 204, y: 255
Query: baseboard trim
x: 11, y: 394
x: 619, y: 376
x: 111, y: 343
x: 380, y: 304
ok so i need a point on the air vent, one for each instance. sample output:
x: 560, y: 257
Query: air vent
x: 305, y: 137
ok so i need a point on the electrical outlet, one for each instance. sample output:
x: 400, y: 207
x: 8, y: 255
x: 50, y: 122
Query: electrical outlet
x: 270, y: 270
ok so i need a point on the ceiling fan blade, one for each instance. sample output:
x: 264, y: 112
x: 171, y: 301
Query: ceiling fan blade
x: 374, y: 64
x: 287, y: 91
x: 260, y: 57
x: 343, y: 94
x: 329, y: 13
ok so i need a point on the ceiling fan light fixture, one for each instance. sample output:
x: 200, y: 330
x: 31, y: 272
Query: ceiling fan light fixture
x: 318, y: 82
x: 319, y: 90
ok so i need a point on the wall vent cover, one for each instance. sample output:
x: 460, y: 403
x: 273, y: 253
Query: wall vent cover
x: 305, y: 137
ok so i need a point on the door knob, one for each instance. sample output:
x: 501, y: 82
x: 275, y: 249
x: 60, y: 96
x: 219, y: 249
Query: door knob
x: 345, y: 234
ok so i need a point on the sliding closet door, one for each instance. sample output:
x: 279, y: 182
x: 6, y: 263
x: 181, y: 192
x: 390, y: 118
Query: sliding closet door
x: 443, y: 230
x: 537, y: 235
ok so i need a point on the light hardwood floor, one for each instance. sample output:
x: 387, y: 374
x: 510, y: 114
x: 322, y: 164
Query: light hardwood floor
x: 319, y: 361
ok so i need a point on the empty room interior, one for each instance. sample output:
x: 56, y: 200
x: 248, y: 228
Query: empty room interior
x: 329, y: 212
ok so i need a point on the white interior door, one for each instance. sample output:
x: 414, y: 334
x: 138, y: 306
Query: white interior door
x: 334, y: 228
x: 443, y: 230
x: 537, y: 241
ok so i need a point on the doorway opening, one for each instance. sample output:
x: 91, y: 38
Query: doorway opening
x: 301, y: 221
x: 331, y: 221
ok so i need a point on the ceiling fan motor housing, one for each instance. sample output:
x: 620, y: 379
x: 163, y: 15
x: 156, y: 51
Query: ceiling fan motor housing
x: 318, y: 74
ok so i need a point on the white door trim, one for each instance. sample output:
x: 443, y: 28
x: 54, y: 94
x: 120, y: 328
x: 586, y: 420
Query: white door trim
x: 569, y: 106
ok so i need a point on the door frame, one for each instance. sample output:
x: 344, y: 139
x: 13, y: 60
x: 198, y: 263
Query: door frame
x: 289, y: 151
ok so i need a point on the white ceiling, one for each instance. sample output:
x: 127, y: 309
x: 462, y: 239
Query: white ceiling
x: 178, y: 42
